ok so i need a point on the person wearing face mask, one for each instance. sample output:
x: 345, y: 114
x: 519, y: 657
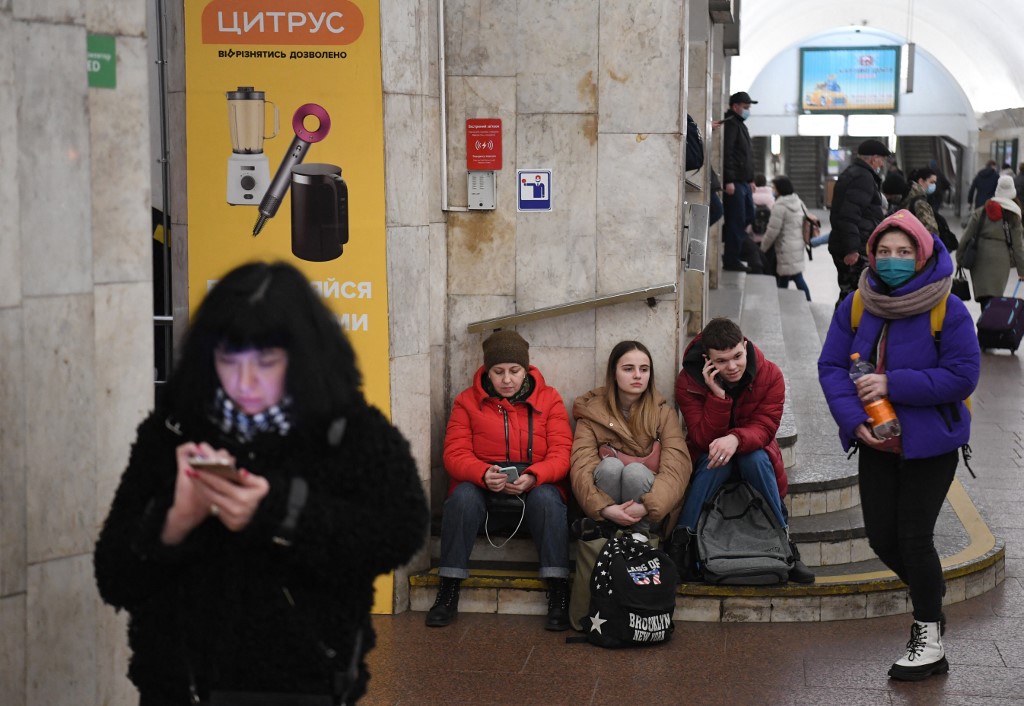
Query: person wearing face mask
x: 737, y: 174
x: 917, y: 200
x: 857, y: 207
x: 921, y: 185
x: 926, y: 376
x: 942, y: 186
x: 509, y: 416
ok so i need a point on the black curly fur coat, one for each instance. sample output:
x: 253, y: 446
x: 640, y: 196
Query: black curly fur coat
x: 214, y: 610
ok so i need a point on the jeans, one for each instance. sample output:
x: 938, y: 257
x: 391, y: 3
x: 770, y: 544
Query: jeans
x: 901, y: 499
x: 739, y: 211
x: 782, y: 282
x: 466, y: 509
x: 820, y: 239
x: 755, y: 468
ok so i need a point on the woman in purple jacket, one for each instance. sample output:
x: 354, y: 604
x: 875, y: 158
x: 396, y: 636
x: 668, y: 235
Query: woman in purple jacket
x: 926, y: 377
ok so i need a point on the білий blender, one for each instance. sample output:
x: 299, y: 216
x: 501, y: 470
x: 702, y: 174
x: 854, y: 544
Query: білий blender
x: 248, y: 169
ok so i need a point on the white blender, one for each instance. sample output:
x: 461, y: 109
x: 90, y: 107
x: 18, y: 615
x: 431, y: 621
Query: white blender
x: 248, y: 168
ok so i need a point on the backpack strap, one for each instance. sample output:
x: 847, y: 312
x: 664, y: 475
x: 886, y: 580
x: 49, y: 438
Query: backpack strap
x: 938, y: 315
x: 856, y: 310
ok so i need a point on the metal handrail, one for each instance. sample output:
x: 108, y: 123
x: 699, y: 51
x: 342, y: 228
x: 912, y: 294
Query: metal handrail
x: 547, y: 312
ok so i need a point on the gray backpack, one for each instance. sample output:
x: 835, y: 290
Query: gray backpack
x: 740, y: 541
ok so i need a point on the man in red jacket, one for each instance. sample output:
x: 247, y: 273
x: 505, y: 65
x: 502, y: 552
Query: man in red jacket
x: 731, y: 398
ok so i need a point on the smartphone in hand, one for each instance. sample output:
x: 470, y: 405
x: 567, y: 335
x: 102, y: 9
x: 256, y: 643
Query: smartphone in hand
x: 511, y: 472
x: 218, y: 466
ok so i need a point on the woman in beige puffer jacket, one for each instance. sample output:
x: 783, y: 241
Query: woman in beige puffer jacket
x: 785, y: 234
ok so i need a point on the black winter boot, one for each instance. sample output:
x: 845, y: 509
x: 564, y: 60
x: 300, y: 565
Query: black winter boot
x: 446, y: 605
x: 558, y: 605
x: 682, y: 549
x: 799, y: 573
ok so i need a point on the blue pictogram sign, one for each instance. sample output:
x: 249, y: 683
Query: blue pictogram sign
x: 534, y: 189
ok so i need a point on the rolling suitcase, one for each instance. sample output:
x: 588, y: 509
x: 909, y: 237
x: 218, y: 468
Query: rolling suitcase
x: 1002, y: 322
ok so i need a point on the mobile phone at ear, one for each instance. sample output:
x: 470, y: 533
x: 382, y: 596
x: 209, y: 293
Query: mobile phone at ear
x: 217, y: 466
x: 511, y: 471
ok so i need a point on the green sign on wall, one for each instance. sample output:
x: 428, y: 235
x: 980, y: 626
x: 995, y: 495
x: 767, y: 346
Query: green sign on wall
x: 101, y: 61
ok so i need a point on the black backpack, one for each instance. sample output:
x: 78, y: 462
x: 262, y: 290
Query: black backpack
x: 632, y: 595
x: 762, y: 214
x: 694, y: 145
x: 740, y: 541
x: 946, y: 234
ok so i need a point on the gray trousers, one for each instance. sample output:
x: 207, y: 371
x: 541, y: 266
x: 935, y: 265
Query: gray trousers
x: 624, y: 482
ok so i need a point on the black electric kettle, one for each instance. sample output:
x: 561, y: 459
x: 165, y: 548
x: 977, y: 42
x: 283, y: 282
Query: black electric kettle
x: 319, y: 212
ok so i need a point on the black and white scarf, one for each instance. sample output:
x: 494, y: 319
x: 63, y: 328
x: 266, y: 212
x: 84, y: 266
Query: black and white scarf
x: 224, y: 413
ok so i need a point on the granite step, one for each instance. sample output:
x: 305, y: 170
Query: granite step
x: 859, y: 586
x: 822, y: 468
x: 759, y: 321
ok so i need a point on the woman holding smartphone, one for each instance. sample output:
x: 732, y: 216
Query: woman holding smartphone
x: 630, y: 465
x: 508, y: 416
x: 262, y: 497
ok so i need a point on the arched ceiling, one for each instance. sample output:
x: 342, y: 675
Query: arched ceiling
x: 978, y: 42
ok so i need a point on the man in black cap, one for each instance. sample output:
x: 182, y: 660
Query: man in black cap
x: 737, y: 173
x: 857, y: 207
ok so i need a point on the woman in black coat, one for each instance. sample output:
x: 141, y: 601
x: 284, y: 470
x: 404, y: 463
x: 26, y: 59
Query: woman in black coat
x: 260, y: 579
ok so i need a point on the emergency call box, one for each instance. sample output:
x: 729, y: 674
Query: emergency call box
x: 481, y: 187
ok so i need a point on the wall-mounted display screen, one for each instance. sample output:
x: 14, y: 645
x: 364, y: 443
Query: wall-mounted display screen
x: 849, y: 79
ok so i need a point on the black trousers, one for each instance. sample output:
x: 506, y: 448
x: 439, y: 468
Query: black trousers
x: 901, y: 500
x: 848, y: 276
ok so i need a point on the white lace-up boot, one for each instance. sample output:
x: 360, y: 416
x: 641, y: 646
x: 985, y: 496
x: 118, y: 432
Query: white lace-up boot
x: 925, y: 655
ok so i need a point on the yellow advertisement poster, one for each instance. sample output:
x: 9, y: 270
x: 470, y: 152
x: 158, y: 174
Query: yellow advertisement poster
x: 285, y: 147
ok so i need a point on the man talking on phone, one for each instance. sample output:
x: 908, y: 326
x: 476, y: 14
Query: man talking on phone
x: 731, y: 398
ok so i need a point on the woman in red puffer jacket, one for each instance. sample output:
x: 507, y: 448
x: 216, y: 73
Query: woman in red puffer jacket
x: 508, y: 416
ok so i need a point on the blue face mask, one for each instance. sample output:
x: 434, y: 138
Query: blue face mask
x: 930, y: 189
x: 745, y: 114
x: 894, y: 271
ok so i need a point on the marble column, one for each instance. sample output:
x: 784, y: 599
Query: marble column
x: 76, y: 330
x: 416, y: 270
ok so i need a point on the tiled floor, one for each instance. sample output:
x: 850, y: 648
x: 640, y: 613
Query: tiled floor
x: 510, y: 659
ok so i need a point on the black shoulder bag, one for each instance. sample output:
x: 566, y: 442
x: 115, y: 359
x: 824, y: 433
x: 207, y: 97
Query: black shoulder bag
x: 503, y: 504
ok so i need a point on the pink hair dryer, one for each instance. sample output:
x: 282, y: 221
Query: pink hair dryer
x: 296, y: 153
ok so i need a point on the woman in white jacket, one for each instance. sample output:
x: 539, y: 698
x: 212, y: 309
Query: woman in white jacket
x: 785, y: 234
